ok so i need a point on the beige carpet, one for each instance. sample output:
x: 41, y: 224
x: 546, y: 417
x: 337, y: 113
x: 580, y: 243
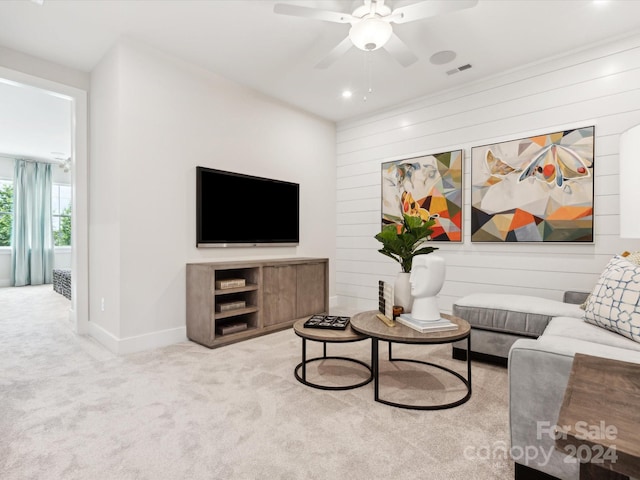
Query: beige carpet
x: 71, y: 410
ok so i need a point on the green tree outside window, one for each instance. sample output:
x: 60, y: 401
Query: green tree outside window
x: 62, y: 236
x: 6, y: 216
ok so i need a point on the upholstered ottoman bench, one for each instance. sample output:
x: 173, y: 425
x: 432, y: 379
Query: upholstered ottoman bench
x: 497, y: 321
x: 62, y: 281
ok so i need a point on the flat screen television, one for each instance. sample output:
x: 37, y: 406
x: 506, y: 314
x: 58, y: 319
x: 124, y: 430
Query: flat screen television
x: 237, y: 210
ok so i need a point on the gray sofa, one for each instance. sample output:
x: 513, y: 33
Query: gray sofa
x: 497, y: 321
x: 537, y: 338
x: 538, y: 374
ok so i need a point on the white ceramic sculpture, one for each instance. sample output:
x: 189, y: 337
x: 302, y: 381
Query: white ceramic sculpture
x: 427, y: 278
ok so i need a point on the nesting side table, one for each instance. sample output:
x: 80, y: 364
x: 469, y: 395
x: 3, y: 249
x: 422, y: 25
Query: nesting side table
x: 327, y: 336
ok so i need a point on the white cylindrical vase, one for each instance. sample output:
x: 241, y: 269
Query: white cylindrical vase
x: 402, y: 291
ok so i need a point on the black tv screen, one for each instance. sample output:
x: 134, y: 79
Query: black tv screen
x: 234, y: 209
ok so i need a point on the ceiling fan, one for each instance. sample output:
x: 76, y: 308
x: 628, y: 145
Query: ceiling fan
x: 63, y: 161
x: 371, y: 25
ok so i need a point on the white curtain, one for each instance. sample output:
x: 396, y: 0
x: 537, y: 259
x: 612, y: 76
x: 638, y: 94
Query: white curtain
x: 32, y: 234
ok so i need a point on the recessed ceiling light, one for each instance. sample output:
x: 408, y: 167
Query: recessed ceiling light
x: 600, y: 3
x: 440, y: 58
x: 347, y: 94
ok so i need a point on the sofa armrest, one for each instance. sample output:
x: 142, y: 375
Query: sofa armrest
x: 538, y: 377
x: 573, y: 296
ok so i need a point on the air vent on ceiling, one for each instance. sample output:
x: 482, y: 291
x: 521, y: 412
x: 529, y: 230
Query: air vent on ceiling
x: 461, y: 68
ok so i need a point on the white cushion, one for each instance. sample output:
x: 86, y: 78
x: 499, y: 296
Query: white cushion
x: 521, y: 303
x: 576, y: 328
x: 615, y: 301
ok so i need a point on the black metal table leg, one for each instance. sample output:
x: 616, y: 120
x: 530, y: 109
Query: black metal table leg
x: 374, y: 367
x: 465, y: 381
x: 302, y: 368
x: 304, y: 359
x: 469, y: 361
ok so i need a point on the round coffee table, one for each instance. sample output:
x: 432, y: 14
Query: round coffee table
x: 325, y: 335
x: 368, y: 324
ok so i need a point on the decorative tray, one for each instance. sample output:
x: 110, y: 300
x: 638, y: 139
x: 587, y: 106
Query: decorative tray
x: 327, y: 321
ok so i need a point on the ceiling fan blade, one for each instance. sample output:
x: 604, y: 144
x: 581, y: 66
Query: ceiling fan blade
x: 400, y: 51
x: 308, y: 12
x: 343, y: 47
x: 428, y: 8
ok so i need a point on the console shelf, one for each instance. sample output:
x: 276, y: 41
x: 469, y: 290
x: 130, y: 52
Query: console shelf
x: 235, y: 312
x: 277, y: 292
x: 228, y: 291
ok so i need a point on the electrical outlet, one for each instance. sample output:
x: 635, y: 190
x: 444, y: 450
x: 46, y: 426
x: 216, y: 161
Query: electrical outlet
x: 102, y: 304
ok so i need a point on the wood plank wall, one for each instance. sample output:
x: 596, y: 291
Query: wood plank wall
x: 599, y: 86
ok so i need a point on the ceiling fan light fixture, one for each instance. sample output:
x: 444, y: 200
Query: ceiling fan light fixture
x: 370, y: 33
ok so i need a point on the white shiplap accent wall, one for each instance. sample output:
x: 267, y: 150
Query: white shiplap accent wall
x: 599, y: 86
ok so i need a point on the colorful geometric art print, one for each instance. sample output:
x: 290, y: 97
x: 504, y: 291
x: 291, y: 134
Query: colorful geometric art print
x: 429, y: 187
x: 536, y: 189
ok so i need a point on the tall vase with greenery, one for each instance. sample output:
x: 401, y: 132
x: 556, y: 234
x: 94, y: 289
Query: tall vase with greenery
x: 403, y: 243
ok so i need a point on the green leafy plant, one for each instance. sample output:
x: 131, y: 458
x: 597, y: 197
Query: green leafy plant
x: 6, y: 217
x: 403, y: 242
x: 62, y: 236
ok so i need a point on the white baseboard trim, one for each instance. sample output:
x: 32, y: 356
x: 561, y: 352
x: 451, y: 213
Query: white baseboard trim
x: 137, y: 343
x: 5, y: 282
x: 103, y: 337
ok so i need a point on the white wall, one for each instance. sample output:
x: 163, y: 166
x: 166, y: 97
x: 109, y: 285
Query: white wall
x: 154, y: 119
x: 104, y: 192
x: 593, y: 87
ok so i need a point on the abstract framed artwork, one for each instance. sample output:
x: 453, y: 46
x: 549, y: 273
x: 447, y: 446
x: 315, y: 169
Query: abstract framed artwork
x: 428, y: 186
x: 534, y: 189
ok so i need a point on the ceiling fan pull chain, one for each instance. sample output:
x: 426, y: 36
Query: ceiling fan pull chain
x: 368, y: 75
x: 370, y: 72
x: 365, y: 60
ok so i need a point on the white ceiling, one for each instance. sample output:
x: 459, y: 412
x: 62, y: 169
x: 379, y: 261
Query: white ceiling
x: 34, y: 123
x: 245, y: 41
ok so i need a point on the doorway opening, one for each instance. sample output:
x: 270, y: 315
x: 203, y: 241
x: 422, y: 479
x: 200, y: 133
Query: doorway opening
x: 74, y: 160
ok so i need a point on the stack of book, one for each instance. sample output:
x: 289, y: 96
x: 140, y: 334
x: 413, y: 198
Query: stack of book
x: 225, y: 307
x: 426, y: 326
x: 230, y: 283
x: 230, y: 327
x: 385, y: 303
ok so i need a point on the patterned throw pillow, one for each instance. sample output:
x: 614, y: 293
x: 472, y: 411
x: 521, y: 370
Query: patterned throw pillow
x: 614, y: 303
x: 632, y: 257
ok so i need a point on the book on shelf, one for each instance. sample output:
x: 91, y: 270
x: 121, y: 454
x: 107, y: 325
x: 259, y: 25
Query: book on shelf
x: 231, y: 327
x: 333, y: 322
x: 230, y: 283
x: 227, y: 306
x: 426, y: 326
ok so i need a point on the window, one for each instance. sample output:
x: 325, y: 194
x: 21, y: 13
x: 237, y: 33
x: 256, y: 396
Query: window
x: 6, y: 215
x: 61, y: 214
